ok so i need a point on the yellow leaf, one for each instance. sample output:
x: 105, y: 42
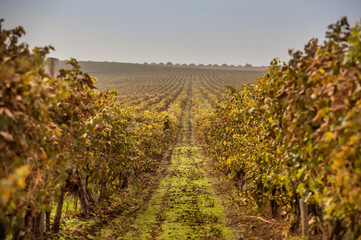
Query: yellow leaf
x: 20, y: 182
x: 337, y: 164
x: 329, y: 136
x: 20, y: 175
x: 22, y: 171
x: 58, y: 132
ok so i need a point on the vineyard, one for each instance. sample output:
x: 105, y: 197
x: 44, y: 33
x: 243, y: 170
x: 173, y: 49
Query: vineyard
x: 105, y: 150
x: 292, y: 141
x: 156, y: 87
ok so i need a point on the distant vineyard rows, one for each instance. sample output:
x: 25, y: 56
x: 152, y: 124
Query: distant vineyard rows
x: 157, y: 91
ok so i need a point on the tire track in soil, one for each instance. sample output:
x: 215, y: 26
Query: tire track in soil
x: 185, y: 206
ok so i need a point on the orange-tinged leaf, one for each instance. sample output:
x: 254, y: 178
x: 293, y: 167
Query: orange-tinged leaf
x: 7, y: 136
x: 8, y: 113
x: 38, y: 178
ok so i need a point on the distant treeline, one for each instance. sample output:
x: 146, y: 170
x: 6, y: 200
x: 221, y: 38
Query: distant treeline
x: 199, y: 65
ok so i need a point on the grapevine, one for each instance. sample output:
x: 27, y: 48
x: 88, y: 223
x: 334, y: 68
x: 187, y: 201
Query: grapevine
x: 295, y: 135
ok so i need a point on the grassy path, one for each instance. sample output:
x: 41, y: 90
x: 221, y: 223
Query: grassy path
x: 185, y: 205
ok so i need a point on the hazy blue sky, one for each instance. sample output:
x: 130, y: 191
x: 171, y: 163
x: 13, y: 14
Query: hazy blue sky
x: 180, y: 31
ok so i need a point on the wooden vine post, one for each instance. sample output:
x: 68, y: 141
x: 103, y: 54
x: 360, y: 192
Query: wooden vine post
x: 304, y: 213
x: 51, y: 66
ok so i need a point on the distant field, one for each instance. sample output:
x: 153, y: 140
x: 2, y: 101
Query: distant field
x: 153, y: 86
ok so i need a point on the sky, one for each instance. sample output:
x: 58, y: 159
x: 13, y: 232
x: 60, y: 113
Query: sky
x: 178, y: 31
